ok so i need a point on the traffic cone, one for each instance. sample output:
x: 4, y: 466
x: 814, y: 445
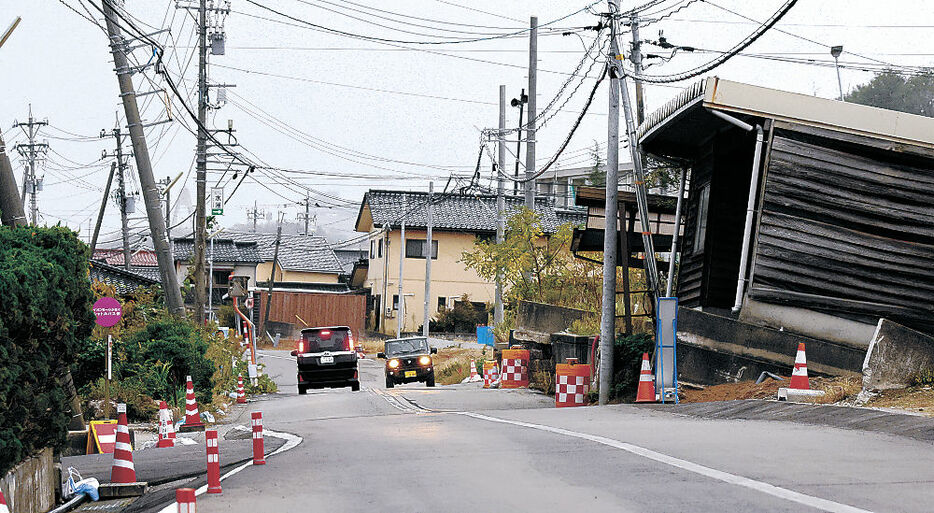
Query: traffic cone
x: 646, y: 391
x: 123, y: 470
x: 192, y: 419
x: 799, y: 376
x: 165, y: 426
x: 259, y: 456
x: 3, y: 507
x: 185, y: 497
x: 473, y: 372
x: 214, y: 461
x: 241, y: 395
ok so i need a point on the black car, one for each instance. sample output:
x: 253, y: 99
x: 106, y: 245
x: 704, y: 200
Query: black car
x: 326, y: 358
x: 408, y: 360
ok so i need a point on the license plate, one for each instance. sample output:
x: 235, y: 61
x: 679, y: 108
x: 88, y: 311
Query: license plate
x: 410, y: 374
x: 327, y: 359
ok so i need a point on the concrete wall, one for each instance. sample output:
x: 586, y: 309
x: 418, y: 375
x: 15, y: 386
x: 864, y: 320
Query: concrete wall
x: 30, y: 486
x: 547, y: 318
x: 895, y: 356
x: 807, y: 322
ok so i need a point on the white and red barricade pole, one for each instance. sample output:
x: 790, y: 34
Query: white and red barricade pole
x: 122, y: 470
x: 214, y: 461
x: 241, y: 394
x: 185, y: 497
x: 259, y: 457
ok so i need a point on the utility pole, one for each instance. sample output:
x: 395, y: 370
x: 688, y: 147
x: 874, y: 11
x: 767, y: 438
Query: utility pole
x: 100, y: 215
x: 118, y: 47
x: 400, y: 317
x: 428, y: 254
x: 201, y: 164
x: 254, y: 215
x: 835, y: 52
x: 121, y: 192
x: 272, y: 273
x: 500, y: 203
x: 31, y: 151
x: 610, y: 233
x: 530, y: 130
x: 518, y: 102
x: 307, y: 215
x: 167, y: 184
x: 636, y: 57
x: 11, y: 206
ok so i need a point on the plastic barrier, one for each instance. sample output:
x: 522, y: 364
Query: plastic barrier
x: 259, y: 456
x: 490, y: 375
x: 572, y: 384
x: 214, y: 461
x: 515, y: 368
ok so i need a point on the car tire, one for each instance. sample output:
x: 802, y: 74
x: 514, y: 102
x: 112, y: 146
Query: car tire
x: 431, y: 379
x: 355, y: 387
x: 389, y: 382
x: 302, y: 390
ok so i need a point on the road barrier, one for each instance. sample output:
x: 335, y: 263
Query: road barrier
x: 259, y: 457
x: 192, y: 419
x: 214, y: 461
x: 799, y: 376
x: 241, y: 394
x: 572, y: 384
x: 166, y: 426
x: 122, y: 470
x: 185, y: 497
x: 646, y: 391
x: 515, y: 368
x: 490, y: 375
x: 473, y: 372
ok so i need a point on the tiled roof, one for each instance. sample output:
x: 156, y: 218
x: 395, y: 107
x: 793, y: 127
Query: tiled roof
x: 122, y: 280
x: 461, y: 212
x: 305, y: 253
x: 348, y: 257
x: 225, y: 250
x: 114, y: 256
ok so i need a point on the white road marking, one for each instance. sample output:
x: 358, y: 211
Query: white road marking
x: 782, y: 493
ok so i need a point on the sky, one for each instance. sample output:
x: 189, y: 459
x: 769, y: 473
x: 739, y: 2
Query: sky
x: 338, y: 115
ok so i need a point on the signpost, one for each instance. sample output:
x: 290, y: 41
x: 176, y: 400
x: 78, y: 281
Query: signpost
x: 217, y: 201
x: 107, y: 313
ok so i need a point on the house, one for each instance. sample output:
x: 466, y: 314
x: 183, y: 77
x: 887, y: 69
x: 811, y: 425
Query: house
x: 805, y: 216
x: 458, y: 220
x: 302, y: 259
x: 123, y: 281
x: 142, y: 261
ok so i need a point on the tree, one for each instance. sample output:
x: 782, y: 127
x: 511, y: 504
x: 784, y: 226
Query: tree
x: 597, y: 175
x: 890, y: 90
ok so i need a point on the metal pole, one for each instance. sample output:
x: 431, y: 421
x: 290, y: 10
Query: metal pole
x: 400, y: 317
x: 836, y: 64
x: 11, y: 207
x: 201, y: 157
x: 121, y: 199
x: 608, y: 310
x: 500, y: 204
x: 173, y: 295
x: 428, y: 254
x: 675, y: 236
x: 530, y: 130
x: 515, y: 185
x: 636, y: 57
x: 306, y: 215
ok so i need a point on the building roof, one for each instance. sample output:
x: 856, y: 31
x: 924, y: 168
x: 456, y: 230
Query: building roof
x: 225, y: 251
x: 693, y: 104
x: 114, y: 256
x: 348, y: 257
x: 303, y: 253
x: 122, y: 280
x: 453, y: 211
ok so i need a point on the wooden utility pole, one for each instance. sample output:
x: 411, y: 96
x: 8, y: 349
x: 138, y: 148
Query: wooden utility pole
x: 636, y: 57
x: 201, y: 163
x: 272, y: 275
x: 118, y: 47
x: 100, y: 214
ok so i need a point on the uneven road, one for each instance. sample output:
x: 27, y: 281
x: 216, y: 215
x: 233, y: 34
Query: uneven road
x: 462, y: 448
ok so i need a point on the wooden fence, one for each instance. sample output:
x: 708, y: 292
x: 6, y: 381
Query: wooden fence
x: 316, y: 310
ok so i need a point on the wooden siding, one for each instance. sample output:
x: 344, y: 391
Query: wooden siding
x: 847, y: 229
x: 317, y: 309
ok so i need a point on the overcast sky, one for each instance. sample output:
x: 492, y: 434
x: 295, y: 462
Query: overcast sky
x: 345, y: 115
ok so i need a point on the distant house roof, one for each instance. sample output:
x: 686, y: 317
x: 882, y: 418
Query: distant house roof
x: 348, y: 257
x: 225, y: 251
x: 122, y: 280
x: 114, y: 256
x: 303, y: 253
x: 453, y: 211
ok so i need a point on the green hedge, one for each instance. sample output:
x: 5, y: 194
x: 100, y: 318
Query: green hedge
x: 46, y: 308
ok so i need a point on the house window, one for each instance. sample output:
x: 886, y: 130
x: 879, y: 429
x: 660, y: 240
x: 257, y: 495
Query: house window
x: 372, y: 247
x: 380, y: 248
x: 703, y: 204
x: 415, y: 248
x: 442, y: 303
x: 395, y: 301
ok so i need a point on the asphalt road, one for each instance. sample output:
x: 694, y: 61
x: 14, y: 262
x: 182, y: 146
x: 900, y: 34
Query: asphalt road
x: 461, y: 448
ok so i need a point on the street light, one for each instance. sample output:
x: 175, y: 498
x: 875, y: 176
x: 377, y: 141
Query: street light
x: 519, y: 102
x: 836, y: 51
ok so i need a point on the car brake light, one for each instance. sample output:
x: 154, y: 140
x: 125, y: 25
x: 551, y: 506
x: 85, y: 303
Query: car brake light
x: 301, y: 346
x: 324, y: 335
x: 349, y: 341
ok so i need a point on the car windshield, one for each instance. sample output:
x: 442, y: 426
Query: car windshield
x: 406, y: 346
x: 326, y: 339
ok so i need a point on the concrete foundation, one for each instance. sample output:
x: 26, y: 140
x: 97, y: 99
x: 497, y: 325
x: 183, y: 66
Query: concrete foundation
x: 895, y: 356
x: 31, y: 485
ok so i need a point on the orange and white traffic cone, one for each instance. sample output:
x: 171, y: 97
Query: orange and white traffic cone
x: 646, y: 391
x: 799, y: 376
x: 259, y: 456
x: 165, y: 426
x: 473, y: 372
x: 241, y: 395
x: 123, y: 470
x: 192, y: 418
x: 3, y: 506
x: 185, y: 497
x: 214, y: 461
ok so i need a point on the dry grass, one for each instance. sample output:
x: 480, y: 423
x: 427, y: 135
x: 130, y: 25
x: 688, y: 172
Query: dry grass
x: 452, y: 364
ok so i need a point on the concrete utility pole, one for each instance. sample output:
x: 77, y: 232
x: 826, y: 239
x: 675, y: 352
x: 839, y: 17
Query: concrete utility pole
x: 307, y: 215
x: 201, y: 165
x: 254, y: 215
x: 121, y: 192
x: 500, y: 202
x: 272, y: 274
x: 118, y: 47
x: 610, y: 233
x: 428, y: 253
x: 31, y: 151
x: 530, y: 131
x: 11, y: 206
x: 400, y: 317
x: 168, y: 183
x: 100, y: 214
x: 636, y: 57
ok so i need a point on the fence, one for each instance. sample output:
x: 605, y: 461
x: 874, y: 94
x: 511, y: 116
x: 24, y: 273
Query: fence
x: 315, y: 310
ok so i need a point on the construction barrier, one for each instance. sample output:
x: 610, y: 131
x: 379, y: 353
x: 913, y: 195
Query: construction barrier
x: 515, y: 368
x: 646, y: 391
x: 122, y: 470
x: 102, y: 434
x: 799, y: 375
x: 572, y: 384
x: 185, y: 497
x: 473, y: 372
x: 259, y: 457
x: 490, y: 375
x: 241, y: 394
x: 214, y: 461
x: 192, y: 418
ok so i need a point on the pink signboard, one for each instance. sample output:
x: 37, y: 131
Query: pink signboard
x: 108, y: 311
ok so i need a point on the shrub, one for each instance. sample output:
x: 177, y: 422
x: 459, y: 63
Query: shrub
x: 140, y: 406
x: 627, y: 362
